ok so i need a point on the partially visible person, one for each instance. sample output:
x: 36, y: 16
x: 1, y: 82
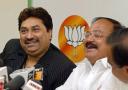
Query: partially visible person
x: 117, y: 77
x: 87, y: 73
x: 34, y: 48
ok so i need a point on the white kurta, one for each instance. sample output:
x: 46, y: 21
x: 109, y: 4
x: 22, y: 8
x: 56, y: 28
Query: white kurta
x: 109, y: 82
x: 84, y: 75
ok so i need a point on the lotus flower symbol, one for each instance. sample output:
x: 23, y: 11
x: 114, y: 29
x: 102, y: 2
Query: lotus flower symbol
x: 75, y: 35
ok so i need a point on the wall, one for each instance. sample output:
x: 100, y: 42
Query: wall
x: 88, y: 9
x: 9, y: 11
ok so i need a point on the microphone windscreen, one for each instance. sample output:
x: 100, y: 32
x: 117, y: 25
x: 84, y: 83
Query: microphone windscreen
x: 1, y: 63
x: 16, y: 83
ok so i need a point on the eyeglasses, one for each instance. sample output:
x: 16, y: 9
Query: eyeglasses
x: 95, y: 34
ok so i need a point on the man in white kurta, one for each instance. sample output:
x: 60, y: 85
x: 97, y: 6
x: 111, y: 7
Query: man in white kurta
x: 85, y: 75
x: 88, y: 73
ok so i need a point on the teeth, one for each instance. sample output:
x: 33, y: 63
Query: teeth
x: 89, y: 46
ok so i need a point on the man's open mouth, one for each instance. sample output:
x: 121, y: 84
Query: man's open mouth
x: 90, y: 45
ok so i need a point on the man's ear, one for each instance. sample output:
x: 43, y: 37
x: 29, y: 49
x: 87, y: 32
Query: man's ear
x: 126, y: 69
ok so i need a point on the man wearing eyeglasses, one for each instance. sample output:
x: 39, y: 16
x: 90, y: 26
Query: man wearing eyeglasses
x: 87, y: 73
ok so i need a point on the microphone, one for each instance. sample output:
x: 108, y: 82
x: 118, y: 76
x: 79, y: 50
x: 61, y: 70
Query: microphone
x: 4, y: 73
x: 33, y: 85
x: 37, y: 77
x: 15, y: 84
x: 34, y: 73
x: 9, y: 69
x: 38, y: 73
x: 2, y: 81
x: 25, y: 73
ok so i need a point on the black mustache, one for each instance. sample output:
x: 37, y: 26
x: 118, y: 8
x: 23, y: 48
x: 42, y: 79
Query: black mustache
x: 27, y: 41
x: 90, y: 45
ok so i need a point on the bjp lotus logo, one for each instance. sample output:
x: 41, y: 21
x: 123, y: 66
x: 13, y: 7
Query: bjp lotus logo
x: 71, y: 36
x: 75, y: 35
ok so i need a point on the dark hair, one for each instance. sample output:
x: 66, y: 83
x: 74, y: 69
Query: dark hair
x: 38, y: 12
x: 116, y: 24
x: 119, y: 42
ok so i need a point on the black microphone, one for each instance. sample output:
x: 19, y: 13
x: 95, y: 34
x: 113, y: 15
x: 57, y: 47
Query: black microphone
x: 15, y: 84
